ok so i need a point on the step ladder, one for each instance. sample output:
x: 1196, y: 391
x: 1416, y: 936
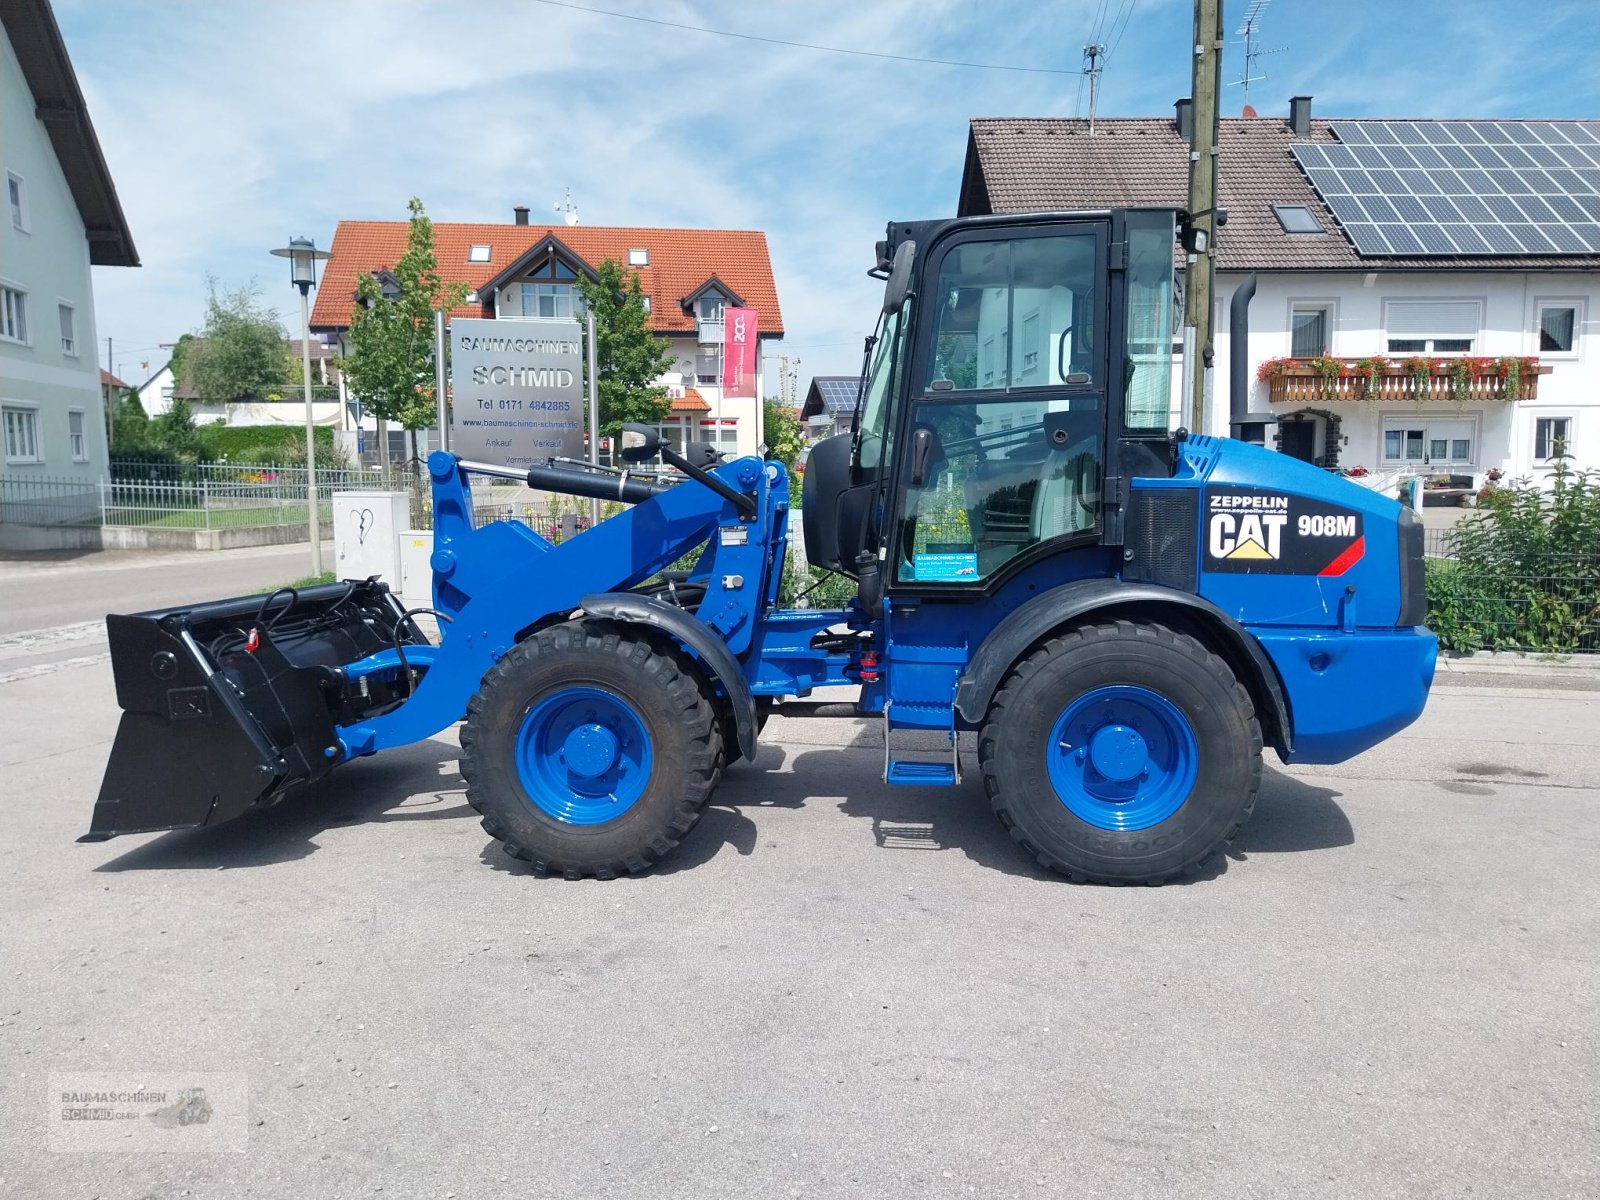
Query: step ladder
x: 915, y: 772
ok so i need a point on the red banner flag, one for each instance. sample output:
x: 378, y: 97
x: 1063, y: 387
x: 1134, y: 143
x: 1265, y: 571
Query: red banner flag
x: 739, y: 352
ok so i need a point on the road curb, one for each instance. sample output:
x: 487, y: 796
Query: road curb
x: 1492, y: 662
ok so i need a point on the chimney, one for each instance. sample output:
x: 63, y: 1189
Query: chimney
x: 520, y: 213
x: 1183, y: 118
x: 1300, y: 116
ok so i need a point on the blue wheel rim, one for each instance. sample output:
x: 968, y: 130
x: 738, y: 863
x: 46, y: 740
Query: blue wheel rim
x: 1122, y: 758
x: 583, y: 756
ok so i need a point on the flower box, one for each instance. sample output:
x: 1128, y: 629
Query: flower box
x: 1296, y: 380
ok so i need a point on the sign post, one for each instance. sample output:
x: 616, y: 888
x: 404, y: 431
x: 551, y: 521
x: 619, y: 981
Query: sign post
x: 594, y: 416
x: 518, y: 394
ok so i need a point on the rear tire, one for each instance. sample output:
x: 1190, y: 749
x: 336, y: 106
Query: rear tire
x: 1122, y: 753
x: 590, y: 750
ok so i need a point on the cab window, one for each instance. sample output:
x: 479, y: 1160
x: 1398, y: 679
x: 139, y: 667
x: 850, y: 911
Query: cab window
x: 1005, y: 440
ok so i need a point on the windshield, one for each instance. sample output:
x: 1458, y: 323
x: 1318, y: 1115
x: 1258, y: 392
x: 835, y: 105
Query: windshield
x: 875, y: 428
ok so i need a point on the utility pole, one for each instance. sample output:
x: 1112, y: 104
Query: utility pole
x: 1200, y: 277
x: 1092, y: 66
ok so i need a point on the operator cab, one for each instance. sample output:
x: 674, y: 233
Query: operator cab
x: 1021, y: 373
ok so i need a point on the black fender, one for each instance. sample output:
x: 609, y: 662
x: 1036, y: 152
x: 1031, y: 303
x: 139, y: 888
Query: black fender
x: 1049, y: 611
x: 720, y: 664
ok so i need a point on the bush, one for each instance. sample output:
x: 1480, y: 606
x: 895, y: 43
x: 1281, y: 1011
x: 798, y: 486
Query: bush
x: 1524, y: 571
x: 267, y: 445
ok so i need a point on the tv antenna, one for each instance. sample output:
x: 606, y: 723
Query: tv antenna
x: 1093, y: 63
x: 1250, y: 30
x: 567, y: 209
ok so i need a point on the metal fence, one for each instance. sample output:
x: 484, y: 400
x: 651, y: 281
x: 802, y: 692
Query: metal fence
x: 211, y: 496
x: 1503, y: 599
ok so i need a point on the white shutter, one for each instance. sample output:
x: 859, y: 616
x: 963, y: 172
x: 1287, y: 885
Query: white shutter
x: 1432, y: 318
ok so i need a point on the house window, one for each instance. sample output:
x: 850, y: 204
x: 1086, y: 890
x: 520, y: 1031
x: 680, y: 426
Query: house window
x: 478, y: 253
x: 69, y: 335
x: 80, y: 445
x: 17, y: 194
x: 705, y: 367
x: 1030, y: 345
x: 556, y: 295
x: 646, y: 300
x: 1431, y: 326
x: 13, y: 314
x: 22, y: 435
x: 1558, y: 329
x: 709, y: 307
x: 638, y: 258
x: 1427, y: 444
x: 1296, y: 218
x: 1308, y: 330
x: 552, y: 301
x: 1551, y: 437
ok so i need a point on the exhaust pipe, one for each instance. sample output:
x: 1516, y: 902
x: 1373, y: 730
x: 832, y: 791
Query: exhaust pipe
x: 1242, y: 423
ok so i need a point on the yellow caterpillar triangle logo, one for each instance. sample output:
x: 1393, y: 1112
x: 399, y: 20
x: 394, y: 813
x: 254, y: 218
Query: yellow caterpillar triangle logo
x: 1249, y: 548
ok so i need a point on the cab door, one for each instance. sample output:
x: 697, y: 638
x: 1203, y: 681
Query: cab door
x: 1002, y: 447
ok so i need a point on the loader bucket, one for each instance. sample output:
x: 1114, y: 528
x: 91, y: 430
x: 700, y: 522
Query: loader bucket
x: 228, y: 705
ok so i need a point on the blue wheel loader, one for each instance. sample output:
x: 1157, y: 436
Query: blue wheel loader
x: 1123, y: 615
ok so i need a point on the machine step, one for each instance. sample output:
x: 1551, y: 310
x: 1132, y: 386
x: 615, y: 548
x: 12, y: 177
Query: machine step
x: 921, y: 774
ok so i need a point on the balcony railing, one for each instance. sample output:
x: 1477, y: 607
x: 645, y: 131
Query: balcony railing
x: 710, y: 331
x: 1299, y: 380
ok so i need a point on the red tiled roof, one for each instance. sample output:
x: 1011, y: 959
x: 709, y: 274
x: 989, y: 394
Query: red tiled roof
x: 107, y: 379
x: 690, y: 401
x: 1034, y: 164
x: 680, y: 261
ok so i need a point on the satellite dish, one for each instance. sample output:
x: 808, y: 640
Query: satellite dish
x: 572, y: 216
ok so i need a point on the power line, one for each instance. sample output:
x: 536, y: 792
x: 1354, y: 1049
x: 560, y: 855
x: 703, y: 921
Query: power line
x: 772, y: 41
x: 1127, y: 15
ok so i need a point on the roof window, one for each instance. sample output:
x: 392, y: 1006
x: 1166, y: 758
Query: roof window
x: 1296, y: 218
x: 478, y: 253
x: 638, y: 258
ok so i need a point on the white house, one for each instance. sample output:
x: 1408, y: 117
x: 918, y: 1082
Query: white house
x: 1377, y: 243
x: 285, y: 406
x: 518, y: 270
x: 62, y: 216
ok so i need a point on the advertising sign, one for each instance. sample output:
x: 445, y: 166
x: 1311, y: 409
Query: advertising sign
x: 517, y: 390
x: 739, y: 352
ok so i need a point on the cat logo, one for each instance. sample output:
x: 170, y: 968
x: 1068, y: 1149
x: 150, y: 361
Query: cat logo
x: 1246, y: 536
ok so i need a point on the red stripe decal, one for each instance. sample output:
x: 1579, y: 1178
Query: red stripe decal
x: 1349, y: 558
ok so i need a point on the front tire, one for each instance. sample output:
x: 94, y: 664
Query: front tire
x: 590, y: 750
x: 1122, y: 753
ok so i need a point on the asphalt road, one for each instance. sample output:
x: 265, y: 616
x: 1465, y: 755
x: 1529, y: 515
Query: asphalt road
x: 41, y: 591
x: 834, y: 989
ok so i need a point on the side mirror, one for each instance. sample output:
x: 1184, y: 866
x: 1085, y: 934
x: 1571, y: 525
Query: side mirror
x: 894, y: 292
x: 639, y: 443
x: 925, y: 449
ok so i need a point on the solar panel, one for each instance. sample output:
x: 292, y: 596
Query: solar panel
x: 838, y: 395
x: 1423, y: 188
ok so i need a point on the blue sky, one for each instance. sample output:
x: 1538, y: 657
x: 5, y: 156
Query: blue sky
x: 230, y: 127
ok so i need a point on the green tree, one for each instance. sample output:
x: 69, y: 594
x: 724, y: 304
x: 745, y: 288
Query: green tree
x: 131, y: 428
x: 783, y: 431
x: 389, y: 363
x: 240, y: 355
x: 174, y: 431
x: 630, y: 358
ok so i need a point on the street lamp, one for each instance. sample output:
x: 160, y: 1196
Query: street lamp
x: 303, y: 257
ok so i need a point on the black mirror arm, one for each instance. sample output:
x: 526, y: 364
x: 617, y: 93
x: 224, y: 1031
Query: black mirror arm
x: 746, y: 505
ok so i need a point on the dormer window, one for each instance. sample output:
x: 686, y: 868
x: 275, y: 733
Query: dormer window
x: 709, y: 306
x: 551, y: 292
x: 638, y: 258
x: 479, y: 253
